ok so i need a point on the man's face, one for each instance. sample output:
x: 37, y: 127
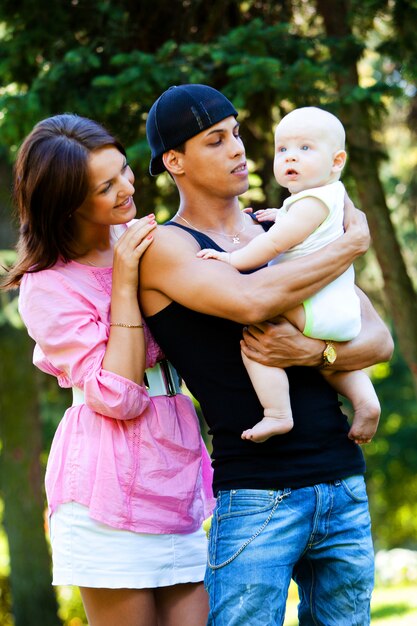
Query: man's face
x: 215, y: 161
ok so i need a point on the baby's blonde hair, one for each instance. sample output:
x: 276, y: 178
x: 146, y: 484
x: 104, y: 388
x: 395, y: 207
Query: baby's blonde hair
x: 321, y: 119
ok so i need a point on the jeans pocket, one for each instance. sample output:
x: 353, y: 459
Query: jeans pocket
x: 355, y: 488
x: 239, y: 502
x: 239, y: 518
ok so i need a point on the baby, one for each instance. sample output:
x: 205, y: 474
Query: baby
x: 309, y: 158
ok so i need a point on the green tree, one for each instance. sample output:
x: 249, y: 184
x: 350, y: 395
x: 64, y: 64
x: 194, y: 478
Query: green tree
x: 391, y: 460
x: 33, y: 599
x: 359, y: 114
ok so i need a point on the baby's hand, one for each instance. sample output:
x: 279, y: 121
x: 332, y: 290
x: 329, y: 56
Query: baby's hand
x: 266, y: 215
x: 208, y: 253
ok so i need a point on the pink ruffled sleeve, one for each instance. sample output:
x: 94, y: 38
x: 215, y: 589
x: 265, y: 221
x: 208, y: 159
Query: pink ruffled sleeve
x: 71, y: 339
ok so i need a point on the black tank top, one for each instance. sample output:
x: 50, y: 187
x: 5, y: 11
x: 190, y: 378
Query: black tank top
x: 206, y: 352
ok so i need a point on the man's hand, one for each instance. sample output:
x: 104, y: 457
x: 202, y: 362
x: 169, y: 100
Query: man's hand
x: 356, y: 226
x: 280, y: 344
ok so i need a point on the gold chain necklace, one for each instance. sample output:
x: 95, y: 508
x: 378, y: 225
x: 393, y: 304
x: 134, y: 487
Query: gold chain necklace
x: 87, y: 262
x: 235, y: 238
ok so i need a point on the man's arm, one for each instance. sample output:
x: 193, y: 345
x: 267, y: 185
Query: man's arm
x: 170, y: 271
x: 282, y: 345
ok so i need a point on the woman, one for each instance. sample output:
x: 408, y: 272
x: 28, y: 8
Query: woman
x: 128, y: 479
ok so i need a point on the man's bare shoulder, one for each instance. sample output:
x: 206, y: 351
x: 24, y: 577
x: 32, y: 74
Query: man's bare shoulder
x: 172, y: 240
x: 170, y: 270
x: 171, y: 251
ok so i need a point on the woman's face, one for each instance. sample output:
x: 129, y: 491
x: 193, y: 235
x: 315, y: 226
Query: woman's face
x: 110, y: 197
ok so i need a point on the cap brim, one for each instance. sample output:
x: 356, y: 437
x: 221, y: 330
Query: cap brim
x: 156, y: 166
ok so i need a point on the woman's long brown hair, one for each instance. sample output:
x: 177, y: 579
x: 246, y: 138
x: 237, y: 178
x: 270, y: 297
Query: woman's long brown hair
x: 50, y: 184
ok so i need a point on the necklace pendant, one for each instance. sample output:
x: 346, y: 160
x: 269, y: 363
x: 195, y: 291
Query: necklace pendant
x: 235, y: 239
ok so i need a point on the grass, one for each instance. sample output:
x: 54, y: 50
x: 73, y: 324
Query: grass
x: 391, y: 606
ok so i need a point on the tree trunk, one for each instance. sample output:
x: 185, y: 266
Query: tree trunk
x: 364, y: 157
x: 21, y: 484
x: 7, y: 229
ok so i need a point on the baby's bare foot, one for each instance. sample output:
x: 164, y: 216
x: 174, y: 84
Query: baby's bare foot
x: 268, y: 427
x: 365, y: 422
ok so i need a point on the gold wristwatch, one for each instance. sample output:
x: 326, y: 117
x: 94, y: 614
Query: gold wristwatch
x: 329, y: 354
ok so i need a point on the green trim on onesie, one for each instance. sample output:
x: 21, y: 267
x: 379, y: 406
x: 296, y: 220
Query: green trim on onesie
x: 308, y: 310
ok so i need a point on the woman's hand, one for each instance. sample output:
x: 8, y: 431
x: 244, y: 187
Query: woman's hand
x: 126, y: 350
x: 128, y: 251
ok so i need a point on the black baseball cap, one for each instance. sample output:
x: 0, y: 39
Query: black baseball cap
x: 180, y: 113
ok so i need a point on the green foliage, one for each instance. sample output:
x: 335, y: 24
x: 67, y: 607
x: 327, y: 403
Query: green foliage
x: 391, y: 459
x: 401, y: 45
x: 115, y: 79
x: 112, y: 71
x: 6, y: 618
x: 71, y: 609
x: 8, y: 301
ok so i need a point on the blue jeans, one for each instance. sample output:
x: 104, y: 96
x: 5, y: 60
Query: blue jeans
x: 320, y: 536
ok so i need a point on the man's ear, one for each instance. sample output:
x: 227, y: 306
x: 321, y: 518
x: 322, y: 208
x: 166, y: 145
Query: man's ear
x: 339, y: 160
x: 173, y: 162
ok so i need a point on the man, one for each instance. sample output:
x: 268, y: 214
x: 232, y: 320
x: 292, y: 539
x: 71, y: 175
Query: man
x: 295, y: 505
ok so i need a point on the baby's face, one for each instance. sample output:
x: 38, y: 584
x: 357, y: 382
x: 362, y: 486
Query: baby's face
x: 305, y: 149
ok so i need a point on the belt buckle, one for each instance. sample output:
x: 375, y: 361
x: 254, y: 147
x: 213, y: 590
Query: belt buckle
x: 162, y: 379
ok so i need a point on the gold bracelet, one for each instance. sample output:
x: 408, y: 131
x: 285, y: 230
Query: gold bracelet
x: 126, y: 325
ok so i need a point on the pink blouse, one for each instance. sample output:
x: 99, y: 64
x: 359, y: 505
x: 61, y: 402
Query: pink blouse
x: 137, y: 462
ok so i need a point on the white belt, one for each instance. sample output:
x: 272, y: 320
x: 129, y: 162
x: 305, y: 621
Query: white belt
x: 160, y: 380
x: 77, y: 396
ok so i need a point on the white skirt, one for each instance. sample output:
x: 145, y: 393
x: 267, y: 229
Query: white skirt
x: 87, y: 553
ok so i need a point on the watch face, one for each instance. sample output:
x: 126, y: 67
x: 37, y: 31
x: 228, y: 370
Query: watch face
x: 330, y: 354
